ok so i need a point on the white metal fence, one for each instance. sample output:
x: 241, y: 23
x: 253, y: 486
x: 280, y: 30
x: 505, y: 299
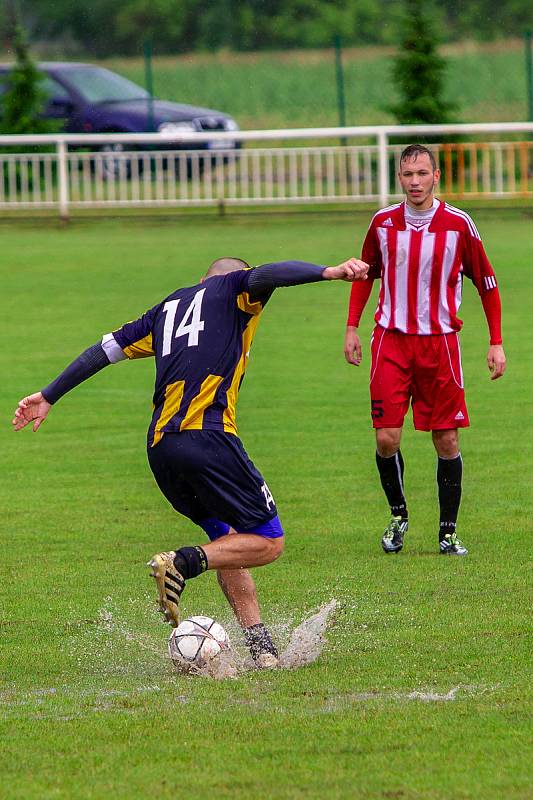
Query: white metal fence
x: 294, y: 166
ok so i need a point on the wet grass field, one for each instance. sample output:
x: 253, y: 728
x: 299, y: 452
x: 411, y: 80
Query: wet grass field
x: 422, y: 688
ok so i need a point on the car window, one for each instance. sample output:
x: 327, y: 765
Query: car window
x: 53, y: 89
x: 99, y: 85
x: 48, y: 85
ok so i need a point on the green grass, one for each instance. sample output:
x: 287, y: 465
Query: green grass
x: 298, y: 88
x: 90, y: 709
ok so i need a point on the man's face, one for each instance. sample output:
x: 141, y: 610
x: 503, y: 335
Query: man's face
x: 418, y: 181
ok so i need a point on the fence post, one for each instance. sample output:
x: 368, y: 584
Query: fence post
x: 339, y: 71
x: 529, y: 75
x: 383, y: 168
x: 63, y: 178
x: 149, y: 83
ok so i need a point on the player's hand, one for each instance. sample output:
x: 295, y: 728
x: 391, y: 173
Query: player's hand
x: 33, y: 408
x: 496, y: 361
x: 352, y: 270
x: 352, y: 346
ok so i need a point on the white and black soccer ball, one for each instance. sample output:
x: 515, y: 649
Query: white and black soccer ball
x: 196, y: 641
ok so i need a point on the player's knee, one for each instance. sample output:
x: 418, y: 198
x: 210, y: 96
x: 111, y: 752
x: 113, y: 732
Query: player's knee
x: 446, y: 443
x: 276, y: 547
x: 387, y: 441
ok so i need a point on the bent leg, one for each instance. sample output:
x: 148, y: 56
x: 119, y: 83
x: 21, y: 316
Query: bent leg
x: 242, y: 551
x: 239, y: 589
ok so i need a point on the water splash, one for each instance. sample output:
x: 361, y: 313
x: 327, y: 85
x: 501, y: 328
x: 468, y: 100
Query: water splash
x: 308, y: 639
x: 305, y: 645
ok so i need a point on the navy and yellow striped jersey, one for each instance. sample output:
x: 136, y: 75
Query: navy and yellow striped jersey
x: 200, y: 337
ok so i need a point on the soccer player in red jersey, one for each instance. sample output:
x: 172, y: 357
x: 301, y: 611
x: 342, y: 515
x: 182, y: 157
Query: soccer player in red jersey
x: 420, y: 250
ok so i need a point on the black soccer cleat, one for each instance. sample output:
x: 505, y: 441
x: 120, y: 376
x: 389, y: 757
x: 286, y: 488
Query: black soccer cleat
x: 392, y: 539
x: 451, y: 545
x: 262, y: 648
x: 170, y: 585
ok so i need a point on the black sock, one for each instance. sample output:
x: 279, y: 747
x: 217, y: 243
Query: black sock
x: 190, y: 561
x: 449, y: 477
x: 391, y: 474
x: 259, y: 640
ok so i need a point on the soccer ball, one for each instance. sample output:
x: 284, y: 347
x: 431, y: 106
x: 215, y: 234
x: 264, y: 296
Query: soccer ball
x: 196, y: 641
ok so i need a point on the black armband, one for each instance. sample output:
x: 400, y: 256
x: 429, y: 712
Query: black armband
x: 86, y: 364
x: 264, y: 279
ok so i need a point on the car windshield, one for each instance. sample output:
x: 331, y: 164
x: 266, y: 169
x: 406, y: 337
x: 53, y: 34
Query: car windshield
x: 99, y: 85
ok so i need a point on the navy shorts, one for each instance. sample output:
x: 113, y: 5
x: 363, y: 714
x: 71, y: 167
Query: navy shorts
x: 207, y: 475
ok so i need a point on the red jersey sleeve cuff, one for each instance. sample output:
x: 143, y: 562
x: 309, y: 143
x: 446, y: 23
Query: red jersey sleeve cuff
x: 493, y: 312
x: 359, y: 295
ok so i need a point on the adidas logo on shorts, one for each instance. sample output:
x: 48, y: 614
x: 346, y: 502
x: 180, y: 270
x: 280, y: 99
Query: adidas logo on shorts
x: 459, y: 415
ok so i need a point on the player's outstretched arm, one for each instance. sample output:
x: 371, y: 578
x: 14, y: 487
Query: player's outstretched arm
x: 352, y: 270
x: 33, y: 408
x: 264, y: 279
x: 496, y: 361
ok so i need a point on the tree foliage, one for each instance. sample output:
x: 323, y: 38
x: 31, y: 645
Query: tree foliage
x: 23, y: 102
x: 419, y: 71
x: 106, y: 27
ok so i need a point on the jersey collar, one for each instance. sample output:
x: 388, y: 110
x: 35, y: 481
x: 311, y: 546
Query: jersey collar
x: 398, y: 217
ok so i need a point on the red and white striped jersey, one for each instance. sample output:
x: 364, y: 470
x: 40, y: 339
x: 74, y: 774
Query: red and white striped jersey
x: 421, y: 269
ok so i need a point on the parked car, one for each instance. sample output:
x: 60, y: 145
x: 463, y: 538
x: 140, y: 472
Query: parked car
x: 92, y: 99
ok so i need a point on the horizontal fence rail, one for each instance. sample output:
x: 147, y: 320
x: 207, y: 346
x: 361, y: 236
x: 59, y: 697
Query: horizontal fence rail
x: 140, y: 170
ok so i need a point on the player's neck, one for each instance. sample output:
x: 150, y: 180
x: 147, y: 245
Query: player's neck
x: 429, y: 204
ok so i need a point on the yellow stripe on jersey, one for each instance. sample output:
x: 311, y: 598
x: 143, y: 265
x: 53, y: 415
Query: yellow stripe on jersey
x: 194, y: 418
x: 141, y: 349
x: 229, y: 416
x: 245, y: 304
x: 173, y: 398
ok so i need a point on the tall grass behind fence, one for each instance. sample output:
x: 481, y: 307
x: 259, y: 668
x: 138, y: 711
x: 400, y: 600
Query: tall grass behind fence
x: 298, y: 88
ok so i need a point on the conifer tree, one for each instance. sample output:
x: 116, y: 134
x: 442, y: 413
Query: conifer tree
x: 24, y: 99
x: 419, y: 71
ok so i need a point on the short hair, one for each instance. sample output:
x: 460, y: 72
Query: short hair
x: 221, y: 266
x: 414, y: 150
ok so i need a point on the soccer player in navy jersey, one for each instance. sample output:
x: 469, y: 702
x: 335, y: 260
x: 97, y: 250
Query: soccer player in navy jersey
x: 420, y: 250
x: 200, y: 337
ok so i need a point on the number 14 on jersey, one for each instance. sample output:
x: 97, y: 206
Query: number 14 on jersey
x: 190, y: 325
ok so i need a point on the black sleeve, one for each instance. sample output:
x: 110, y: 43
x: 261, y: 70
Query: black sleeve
x: 86, y: 364
x: 264, y: 279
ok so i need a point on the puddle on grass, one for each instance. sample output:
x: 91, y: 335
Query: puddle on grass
x: 123, y: 643
x: 304, y: 646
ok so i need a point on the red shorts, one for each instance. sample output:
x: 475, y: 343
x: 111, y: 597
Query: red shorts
x: 425, y: 370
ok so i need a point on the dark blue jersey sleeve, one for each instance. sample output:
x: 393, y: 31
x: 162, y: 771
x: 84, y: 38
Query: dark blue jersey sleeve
x: 260, y: 282
x: 264, y: 279
x: 135, y: 338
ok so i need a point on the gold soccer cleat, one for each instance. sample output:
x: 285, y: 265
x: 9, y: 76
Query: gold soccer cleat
x: 170, y: 585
